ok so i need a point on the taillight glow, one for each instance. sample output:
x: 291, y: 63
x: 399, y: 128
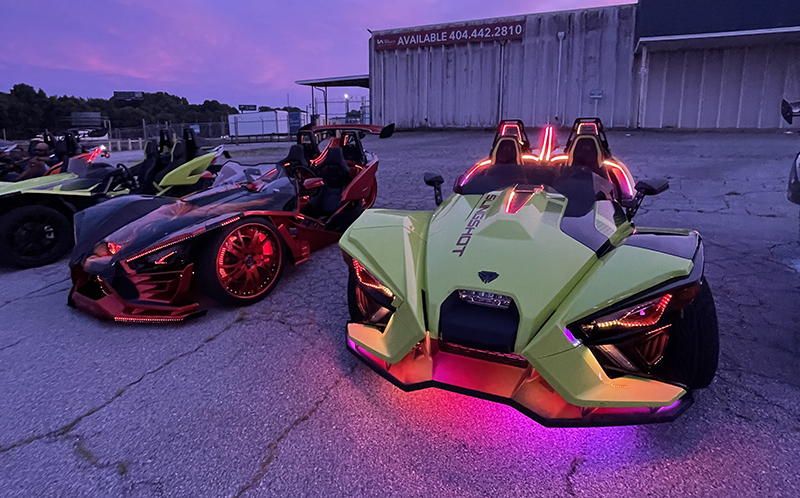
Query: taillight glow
x: 367, y: 279
x: 113, y: 247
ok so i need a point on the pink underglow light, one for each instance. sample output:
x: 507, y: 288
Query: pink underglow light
x: 475, y: 168
x: 628, y: 186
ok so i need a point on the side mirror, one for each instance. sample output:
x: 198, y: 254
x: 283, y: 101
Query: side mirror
x: 435, y: 180
x: 226, y: 154
x: 652, y: 187
x: 313, y: 183
x: 643, y: 189
x: 789, y: 111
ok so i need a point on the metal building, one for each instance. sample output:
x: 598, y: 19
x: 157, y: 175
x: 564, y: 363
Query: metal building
x: 631, y: 65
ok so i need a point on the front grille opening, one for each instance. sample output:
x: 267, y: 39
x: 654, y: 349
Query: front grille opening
x: 511, y: 359
x: 479, y: 326
x: 93, y: 289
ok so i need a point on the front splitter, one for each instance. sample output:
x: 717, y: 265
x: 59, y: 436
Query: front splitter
x: 522, y: 388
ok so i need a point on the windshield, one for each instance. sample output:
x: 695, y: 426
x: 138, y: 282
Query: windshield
x: 233, y: 172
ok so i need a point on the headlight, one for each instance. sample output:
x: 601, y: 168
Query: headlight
x: 633, y: 339
x: 372, y: 298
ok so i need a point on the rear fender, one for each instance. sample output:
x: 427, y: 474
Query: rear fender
x: 391, y: 246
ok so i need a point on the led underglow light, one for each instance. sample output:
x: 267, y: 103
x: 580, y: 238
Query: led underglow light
x: 628, y: 186
x: 367, y: 279
x: 145, y: 319
x: 113, y: 247
x: 475, y: 168
x: 571, y: 338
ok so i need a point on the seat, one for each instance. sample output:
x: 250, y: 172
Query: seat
x: 295, y: 157
x: 145, y: 171
x: 585, y: 151
x: 177, y: 158
x: 333, y: 169
x: 190, y: 141
x: 336, y: 175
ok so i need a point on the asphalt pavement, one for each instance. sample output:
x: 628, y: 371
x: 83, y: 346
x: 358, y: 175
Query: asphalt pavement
x: 266, y: 401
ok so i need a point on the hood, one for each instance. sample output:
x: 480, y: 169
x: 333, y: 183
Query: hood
x: 183, y: 216
x: 513, y: 243
x: 50, y: 182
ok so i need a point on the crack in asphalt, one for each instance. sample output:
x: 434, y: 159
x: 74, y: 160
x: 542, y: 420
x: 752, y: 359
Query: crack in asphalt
x: 573, y: 469
x: 11, y: 345
x: 29, y: 294
x: 272, y: 447
x: 66, y: 429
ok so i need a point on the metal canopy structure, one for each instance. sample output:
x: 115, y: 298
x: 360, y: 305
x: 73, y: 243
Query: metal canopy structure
x: 322, y: 84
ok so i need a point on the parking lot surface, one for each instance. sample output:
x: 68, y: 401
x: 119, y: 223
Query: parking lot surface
x: 266, y: 401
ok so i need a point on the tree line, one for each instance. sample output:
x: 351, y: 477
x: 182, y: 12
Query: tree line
x: 25, y: 112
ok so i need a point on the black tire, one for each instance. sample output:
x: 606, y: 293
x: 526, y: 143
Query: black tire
x: 694, y: 342
x: 207, y: 270
x: 32, y: 236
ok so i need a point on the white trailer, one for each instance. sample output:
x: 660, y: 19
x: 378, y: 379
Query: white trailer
x: 259, y: 123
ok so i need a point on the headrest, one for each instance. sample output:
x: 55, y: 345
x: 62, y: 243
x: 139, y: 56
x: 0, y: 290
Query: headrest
x: 507, y: 151
x: 586, y: 151
x: 333, y: 155
x: 296, y: 155
x: 150, y: 148
x: 189, y: 135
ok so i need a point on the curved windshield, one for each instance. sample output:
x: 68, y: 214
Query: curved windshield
x: 233, y: 172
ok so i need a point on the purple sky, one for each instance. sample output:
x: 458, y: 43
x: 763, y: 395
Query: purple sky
x: 237, y: 51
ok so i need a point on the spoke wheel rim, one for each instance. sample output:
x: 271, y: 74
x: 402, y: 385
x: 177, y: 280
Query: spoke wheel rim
x: 248, y: 261
x: 34, y: 237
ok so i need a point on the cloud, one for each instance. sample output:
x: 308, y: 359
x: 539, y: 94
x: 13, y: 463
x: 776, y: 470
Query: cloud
x: 235, y: 51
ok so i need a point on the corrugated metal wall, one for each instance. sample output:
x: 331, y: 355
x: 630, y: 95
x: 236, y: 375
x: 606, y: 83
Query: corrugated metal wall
x: 474, y: 85
x: 738, y: 87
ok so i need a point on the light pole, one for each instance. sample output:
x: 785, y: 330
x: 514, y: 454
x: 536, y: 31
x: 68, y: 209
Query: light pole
x: 346, y: 104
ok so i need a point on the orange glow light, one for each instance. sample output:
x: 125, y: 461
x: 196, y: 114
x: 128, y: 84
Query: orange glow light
x: 113, y: 247
x: 367, y: 279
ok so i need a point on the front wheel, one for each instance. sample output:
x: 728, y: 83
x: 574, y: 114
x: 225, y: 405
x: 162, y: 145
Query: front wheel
x: 694, y: 342
x: 243, y: 263
x: 32, y: 236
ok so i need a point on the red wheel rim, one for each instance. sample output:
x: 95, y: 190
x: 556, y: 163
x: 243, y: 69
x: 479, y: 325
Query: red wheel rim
x: 248, y: 261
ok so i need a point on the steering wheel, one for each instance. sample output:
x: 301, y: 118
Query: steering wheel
x: 128, y: 179
x: 303, y: 173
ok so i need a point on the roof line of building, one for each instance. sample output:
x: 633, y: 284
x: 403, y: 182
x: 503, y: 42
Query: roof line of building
x: 721, y: 34
x: 482, y: 20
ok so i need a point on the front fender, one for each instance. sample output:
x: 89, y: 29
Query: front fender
x: 391, y: 246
